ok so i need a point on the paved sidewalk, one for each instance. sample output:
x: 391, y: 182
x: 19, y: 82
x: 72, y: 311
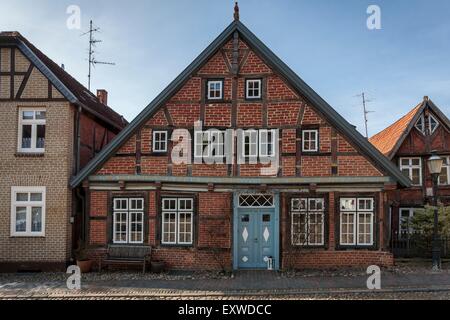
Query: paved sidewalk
x: 250, y: 283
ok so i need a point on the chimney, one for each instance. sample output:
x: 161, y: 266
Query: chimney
x: 102, y: 95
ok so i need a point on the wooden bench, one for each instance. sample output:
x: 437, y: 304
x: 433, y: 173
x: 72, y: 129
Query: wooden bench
x: 117, y: 254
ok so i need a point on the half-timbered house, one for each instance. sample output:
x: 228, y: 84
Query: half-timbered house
x: 323, y: 205
x: 51, y: 126
x: 409, y: 143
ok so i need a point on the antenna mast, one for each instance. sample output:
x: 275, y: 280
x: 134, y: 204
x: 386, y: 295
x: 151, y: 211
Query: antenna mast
x: 92, y: 43
x: 366, y: 112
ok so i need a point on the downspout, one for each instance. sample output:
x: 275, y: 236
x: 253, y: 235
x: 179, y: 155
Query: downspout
x: 77, y: 226
x: 78, y: 141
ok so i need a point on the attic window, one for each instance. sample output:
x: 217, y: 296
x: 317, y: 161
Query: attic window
x: 433, y: 123
x: 420, y: 125
x: 427, y: 125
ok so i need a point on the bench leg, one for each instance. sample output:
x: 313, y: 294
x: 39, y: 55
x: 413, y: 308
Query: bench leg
x: 143, y: 268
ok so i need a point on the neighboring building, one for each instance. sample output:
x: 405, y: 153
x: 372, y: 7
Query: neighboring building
x: 51, y: 126
x: 409, y: 143
x: 325, y: 206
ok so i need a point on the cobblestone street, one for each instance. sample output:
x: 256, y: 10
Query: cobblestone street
x: 397, y: 283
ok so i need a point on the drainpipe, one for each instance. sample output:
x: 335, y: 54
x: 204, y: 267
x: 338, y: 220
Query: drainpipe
x: 78, y: 141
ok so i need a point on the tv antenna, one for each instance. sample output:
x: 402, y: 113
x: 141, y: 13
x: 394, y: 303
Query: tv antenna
x: 365, y: 101
x: 92, y: 44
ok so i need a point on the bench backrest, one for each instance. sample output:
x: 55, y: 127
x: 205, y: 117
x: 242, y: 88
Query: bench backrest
x: 125, y: 252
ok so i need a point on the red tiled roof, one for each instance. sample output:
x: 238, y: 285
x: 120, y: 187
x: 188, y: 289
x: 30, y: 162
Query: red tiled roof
x: 386, y: 140
x: 83, y: 95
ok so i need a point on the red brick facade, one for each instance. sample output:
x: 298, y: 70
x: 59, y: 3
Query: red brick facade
x: 280, y: 107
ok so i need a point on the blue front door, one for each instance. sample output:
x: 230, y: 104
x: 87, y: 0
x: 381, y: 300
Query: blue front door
x: 256, y: 238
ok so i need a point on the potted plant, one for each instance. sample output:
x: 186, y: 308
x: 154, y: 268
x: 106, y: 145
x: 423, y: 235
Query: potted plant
x: 83, y: 261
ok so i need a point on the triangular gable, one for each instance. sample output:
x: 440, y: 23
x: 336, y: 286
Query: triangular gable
x: 274, y: 62
x: 391, y: 139
x: 64, y: 85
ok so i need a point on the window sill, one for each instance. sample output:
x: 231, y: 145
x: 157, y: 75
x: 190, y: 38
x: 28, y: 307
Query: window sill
x: 29, y: 154
x: 25, y: 236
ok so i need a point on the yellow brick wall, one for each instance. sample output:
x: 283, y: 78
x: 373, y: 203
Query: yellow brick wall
x: 53, y: 171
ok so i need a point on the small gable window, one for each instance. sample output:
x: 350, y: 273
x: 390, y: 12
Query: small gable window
x: 253, y: 89
x: 433, y: 123
x: 159, y: 141
x: 420, y: 125
x: 215, y: 90
x: 310, y: 140
x: 427, y: 125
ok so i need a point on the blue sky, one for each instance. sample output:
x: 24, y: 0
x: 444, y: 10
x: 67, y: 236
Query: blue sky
x: 325, y: 41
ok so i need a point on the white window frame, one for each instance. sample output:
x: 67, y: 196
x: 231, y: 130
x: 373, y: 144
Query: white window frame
x: 446, y: 167
x: 247, y: 89
x: 308, y: 212
x: 411, y: 212
x: 253, y: 142
x: 218, y: 144
x: 316, y: 132
x: 429, y: 124
x: 267, y: 198
x: 208, y: 89
x: 410, y: 168
x: 177, y: 211
x: 155, y: 141
x: 356, y: 211
x: 33, y: 123
x: 128, y: 211
x: 422, y: 121
x: 29, y: 205
x: 272, y: 142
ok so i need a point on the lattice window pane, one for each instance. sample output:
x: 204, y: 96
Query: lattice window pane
x: 256, y: 200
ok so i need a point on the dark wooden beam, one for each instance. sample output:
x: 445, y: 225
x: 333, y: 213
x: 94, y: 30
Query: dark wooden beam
x: 12, y: 71
x: 25, y: 82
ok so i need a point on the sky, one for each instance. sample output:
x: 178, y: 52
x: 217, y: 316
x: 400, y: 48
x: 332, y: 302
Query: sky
x: 326, y: 42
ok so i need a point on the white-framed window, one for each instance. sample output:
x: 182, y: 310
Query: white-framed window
x: 250, y: 144
x: 253, y: 89
x: 267, y: 143
x: 432, y: 123
x: 307, y: 221
x: 128, y: 220
x: 412, y: 168
x: 160, y: 141
x: 177, y: 221
x: 427, y: 125
x: 28, y: 211
x: 215, y: 90
x: 209, y: 144
x: 444, y: 177
x: 356, y: 221
x: 420, y: 124
x: 31, y: 135
x: 404, y: 222
x: 310, y: 140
